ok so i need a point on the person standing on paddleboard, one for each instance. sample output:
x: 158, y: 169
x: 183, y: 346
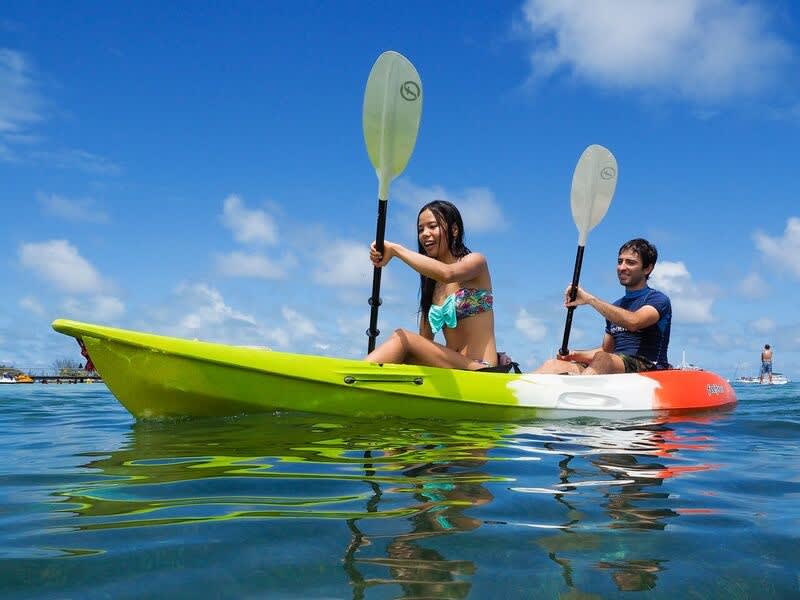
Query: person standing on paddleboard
x: 455, y: 297
x: 637, y: 325
x: 766, y: 363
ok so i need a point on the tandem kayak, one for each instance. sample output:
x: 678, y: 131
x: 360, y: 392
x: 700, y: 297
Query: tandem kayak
x: 157, y: 376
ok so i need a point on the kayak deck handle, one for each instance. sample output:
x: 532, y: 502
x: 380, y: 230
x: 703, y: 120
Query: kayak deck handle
x: 350, y: 380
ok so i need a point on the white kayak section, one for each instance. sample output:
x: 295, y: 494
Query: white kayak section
x: 619, y: 392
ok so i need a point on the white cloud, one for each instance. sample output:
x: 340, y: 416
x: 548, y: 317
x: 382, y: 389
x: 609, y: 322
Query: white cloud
x: 20, y: 103
x: 480, y: 210
x: 241, y: 264
x: 207, y: 315
x: 22, y: 106
x: 6, y: 153
x: 299, y: 325
x: 531, y: 327
x: 31, y: 304
x: 344, y: 263
x: 478, y: 207
x: 690, y: 303
x: 703, y: 50
x: 763, y: 325
x: 59, y: 263
x: 576, y: 335
x: 753, y: 286
x: 80, y: 160
x: 784, y: 251
x: 82, y: 210
x: 99, y: 308
x: 248, y: 226
x: 209, y: 308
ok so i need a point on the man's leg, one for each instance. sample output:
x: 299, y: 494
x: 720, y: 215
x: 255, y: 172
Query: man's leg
x: 603, y: 363
x: 554, y: 366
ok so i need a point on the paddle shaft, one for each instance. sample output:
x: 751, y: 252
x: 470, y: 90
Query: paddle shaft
x: 576, y: 275
x: 375, y: 299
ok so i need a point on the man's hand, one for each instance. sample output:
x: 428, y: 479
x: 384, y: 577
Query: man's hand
x: 581, y: 297
x: 578, y: 356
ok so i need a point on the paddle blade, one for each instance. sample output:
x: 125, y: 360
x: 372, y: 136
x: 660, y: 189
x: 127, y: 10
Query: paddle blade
x: 593, y: 185
x: 392, y: 110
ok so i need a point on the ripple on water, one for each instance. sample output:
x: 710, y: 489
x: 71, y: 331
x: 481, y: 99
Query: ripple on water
x: 306, y: 506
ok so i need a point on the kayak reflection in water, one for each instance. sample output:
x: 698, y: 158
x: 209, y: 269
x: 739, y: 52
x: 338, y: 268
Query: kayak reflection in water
x: 455, y: 297
x: 442, y: 490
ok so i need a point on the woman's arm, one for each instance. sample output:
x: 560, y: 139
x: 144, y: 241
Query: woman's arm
x: 468, y: 267
x: 425, y: 328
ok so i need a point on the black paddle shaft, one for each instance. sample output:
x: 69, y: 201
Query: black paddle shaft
x: 576, y: 274
x: 375, y: 299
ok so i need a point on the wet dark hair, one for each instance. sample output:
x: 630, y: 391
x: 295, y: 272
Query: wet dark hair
x: 447, y: 216
x: 766, y: 346
x: 646, y: 251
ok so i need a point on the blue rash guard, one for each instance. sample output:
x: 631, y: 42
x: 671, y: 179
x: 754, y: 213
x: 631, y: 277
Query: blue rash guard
x: 651, y: 342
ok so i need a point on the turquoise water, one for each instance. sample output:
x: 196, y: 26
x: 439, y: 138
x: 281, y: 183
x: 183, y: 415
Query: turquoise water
x: 94, y: 505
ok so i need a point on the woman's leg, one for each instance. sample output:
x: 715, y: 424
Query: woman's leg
x: 406, y: 347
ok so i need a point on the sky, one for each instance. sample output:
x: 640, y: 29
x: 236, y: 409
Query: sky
x: 198, y: 169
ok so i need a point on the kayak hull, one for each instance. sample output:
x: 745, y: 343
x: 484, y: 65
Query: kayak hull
x: 156, y: 376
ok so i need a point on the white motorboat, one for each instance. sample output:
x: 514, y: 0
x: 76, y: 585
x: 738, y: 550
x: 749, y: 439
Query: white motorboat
x: 687, y: 366
x: 8, y: 378
x: 777, y: 379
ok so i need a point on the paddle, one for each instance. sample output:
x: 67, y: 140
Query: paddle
x: 392, y: 110
x: 593, y: 184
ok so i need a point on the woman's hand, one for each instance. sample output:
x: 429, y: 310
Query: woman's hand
x: 378, y: 259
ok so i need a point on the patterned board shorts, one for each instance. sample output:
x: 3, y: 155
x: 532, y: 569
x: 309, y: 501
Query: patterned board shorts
x: 637, y: 364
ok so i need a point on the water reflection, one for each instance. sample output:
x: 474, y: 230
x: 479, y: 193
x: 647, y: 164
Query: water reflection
x: 388, y: 496
x: 442, y: 490
x: 630, y: 464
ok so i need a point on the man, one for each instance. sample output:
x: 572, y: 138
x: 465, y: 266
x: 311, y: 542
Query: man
x: 637, y: 325
x: 766, y: 363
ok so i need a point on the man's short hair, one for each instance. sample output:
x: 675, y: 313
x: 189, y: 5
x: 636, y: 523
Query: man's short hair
x: 766, y: 346
x: 646, y: 251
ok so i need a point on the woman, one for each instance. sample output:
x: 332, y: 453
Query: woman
x: 455, y: 297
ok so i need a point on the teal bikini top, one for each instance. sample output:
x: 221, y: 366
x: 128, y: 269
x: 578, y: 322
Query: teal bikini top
x: 466, y: 302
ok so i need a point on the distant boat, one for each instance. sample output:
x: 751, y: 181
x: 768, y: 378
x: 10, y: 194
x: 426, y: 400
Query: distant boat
x: 15, y: 378
x: 8, y: 378
x: 777, y: 379
x: 684, y: 366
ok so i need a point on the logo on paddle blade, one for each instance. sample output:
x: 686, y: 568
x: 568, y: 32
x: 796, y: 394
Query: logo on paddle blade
x: 409, y: 90
x: 607, y: 173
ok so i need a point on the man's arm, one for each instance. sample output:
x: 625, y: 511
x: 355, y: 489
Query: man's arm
x: 631, y: 320
x: 580, y: 356
x: 608, y: 343
x: 586, y: 356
